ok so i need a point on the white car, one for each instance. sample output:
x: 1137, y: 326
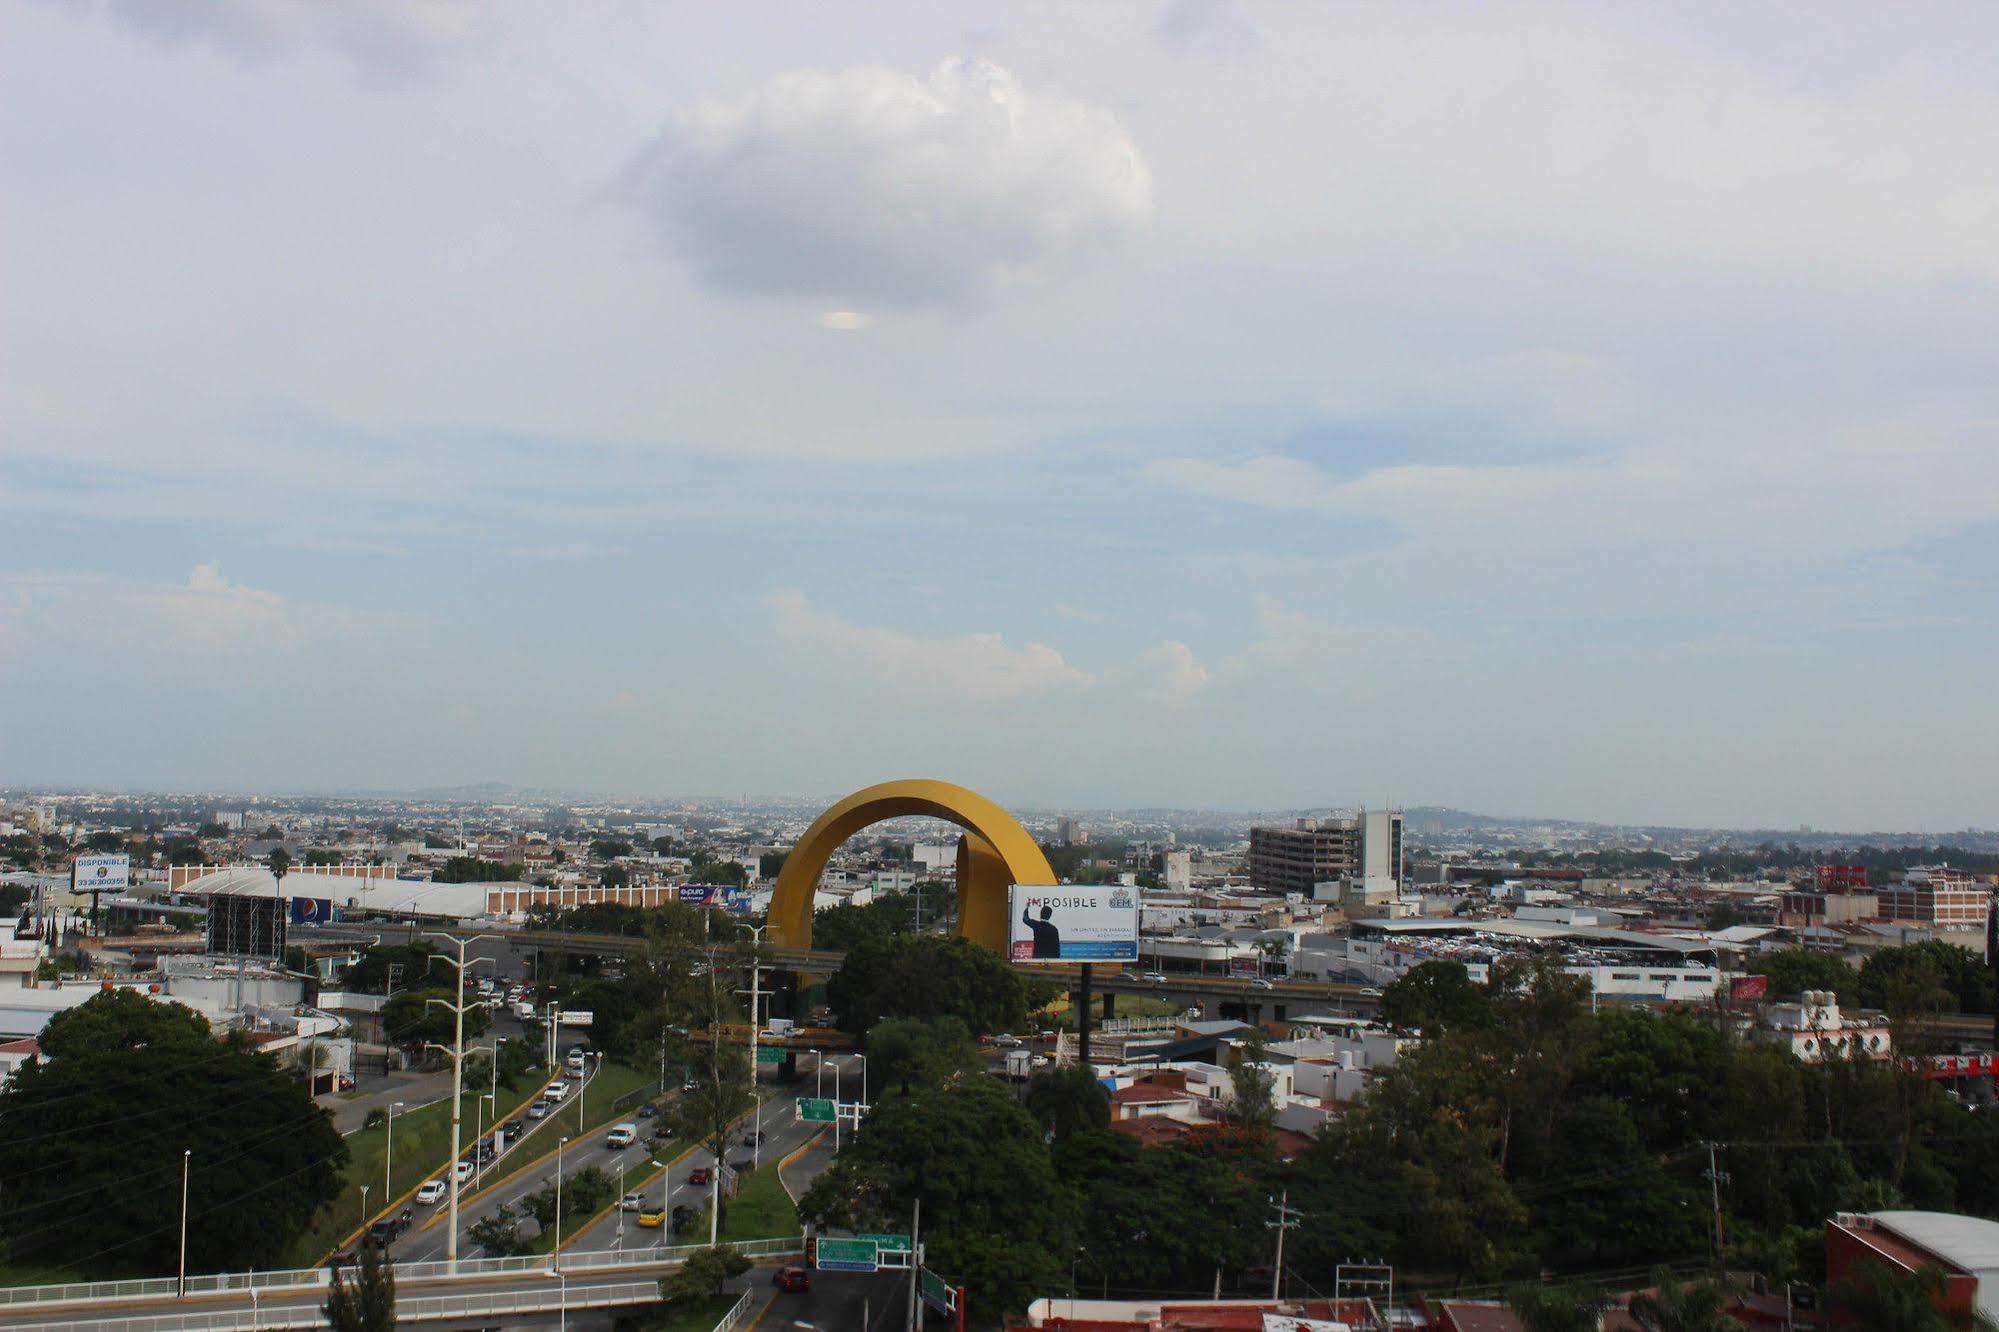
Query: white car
x: 1156, y: 977
x: 430, y: 1191
x: 539, y: 1110
x: 556, y: 1090
x: 631, y: 1202
x: 622, y: 1136
x: 575, y: 1063
x: 463, y: 1170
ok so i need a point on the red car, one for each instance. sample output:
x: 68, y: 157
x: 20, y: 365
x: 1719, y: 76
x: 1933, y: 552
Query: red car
x: 698, y: 1175
x: 794, y: 1280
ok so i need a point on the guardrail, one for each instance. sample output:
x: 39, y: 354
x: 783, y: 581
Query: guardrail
x: 418, y: 1309
x: 739, y: 1313
x: 312, y: 1279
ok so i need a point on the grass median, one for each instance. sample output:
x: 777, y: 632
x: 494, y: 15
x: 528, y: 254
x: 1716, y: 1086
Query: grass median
x: 761, y: 1209
x: 423, y: 1147
x: 576, y: 1119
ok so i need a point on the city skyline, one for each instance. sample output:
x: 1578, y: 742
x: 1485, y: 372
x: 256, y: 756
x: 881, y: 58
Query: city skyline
x: 1546, y: 409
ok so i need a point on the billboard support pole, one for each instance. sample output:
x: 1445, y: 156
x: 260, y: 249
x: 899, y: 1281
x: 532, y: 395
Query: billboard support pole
x: 1083, y: 1019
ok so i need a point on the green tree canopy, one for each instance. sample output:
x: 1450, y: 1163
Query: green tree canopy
x: 471, y: 869
x: 926, y: 976
x: 1932, y: 976
x: 1792, y: 971
x: 92, y: 1154
x: 363, y: 1301
x: 995, y: 1215
x: 125, y: 1019
x: 1069, y: 1101
x: 1436, y: 997
x: 905, y: 1052
x: 410, y: 1018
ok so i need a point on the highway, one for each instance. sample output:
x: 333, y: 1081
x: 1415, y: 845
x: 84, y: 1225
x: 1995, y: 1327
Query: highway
x: 514, y: 1181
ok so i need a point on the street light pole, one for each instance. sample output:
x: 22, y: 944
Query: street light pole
x: 186, y: 1159
x: 457, y: 1007
x: 818, y: 1072
x: 836, y: 1108
x: 555, y: 1254
x: 389, y: 1152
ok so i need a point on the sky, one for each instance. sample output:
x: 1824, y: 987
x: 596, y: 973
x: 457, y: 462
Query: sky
x: 1581, y: 411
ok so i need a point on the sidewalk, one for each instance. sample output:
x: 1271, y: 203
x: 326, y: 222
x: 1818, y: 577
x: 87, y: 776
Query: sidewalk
x: 413, y: 1089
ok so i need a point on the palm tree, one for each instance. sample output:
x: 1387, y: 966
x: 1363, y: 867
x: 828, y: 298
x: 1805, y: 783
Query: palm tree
x: 1881, y: 1298
x: 1676, y: 1306
x: 1559, y: 1308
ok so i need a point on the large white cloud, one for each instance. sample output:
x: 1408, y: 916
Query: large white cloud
x: 872, y: 188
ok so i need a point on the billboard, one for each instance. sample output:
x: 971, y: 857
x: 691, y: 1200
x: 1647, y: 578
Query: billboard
x: 696, y: 894
x: 102, y: 872
x: 311, y: 910
x: 1069, y: 923
x: 1742, y: 989
x: 740, y: 901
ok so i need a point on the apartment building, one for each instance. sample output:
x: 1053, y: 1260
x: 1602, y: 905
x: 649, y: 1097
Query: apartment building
x: 1937, y: 895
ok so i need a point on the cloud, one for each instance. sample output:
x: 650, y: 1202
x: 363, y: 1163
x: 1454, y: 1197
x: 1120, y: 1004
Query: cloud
x: 877, y: 189
x: 1269, y: 480
x: 206, y: 580
x: 974, y: 667
x: 380, y: 36
x: 1178, y: 675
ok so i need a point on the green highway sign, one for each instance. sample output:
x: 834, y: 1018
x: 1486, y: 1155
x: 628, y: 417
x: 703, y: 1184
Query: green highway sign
x: 816, y: 1110
x: 770, y: 1054
x: 848, y: 1255
x: 887, y: 1240
x: 936, y: 1292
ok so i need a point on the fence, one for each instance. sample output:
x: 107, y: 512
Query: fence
x: 312, y: 1279
x: 420, y: 1309
x: 740, y: 1314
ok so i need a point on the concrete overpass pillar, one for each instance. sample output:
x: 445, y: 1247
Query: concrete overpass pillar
x: 1110, y: 1004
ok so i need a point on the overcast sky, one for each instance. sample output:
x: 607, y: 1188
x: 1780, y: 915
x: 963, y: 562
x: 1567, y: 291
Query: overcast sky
x: 1572, y: 410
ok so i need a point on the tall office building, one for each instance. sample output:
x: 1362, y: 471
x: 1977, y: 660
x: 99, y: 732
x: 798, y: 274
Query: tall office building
x: 1365, y: 849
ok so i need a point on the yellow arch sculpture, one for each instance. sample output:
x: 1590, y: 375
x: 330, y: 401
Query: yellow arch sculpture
x: 994, y: 853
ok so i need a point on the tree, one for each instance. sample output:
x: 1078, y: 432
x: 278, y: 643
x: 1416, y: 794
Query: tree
x: 471, y: 869
x: 92, y: 1155
x: 1682, y: 1306
x: 280, y: 861
x: 540, y: 1206
x: 1559, y: 1308
x: 410, y: 1017
x: 995, y: 1214
x: 363, y: 1303
x: 610, y: 848
x: 499, y: 1235
x: 124, y: 1019
x: 703, y: 1274
x: 1251, y: 1103
x: 907, y: 1051
x: 614, y: 876
x: 925, y: 975
x: 371, y: 973
x: 1436, y: 996
x: 1069, y: 1101
x: 1881, y: 1298
x: 1928, y: 977
x: 1792, y: 971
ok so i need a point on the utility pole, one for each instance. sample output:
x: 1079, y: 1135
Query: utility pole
x: 1714, y: 1178
x: 1083, y: 1019
x: 457, y: 1005
x: 1287, y: 1219
x: 915, y: 1260
x: 755, y: 992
